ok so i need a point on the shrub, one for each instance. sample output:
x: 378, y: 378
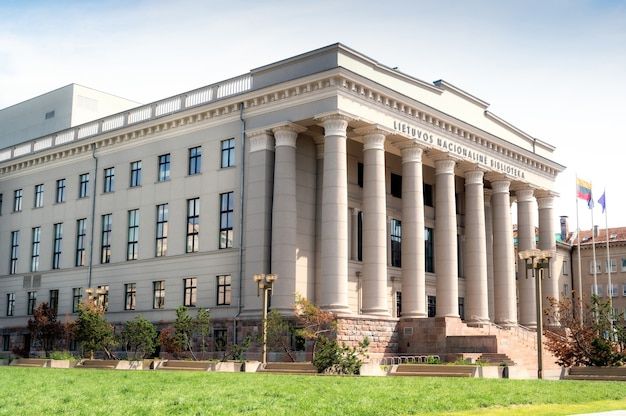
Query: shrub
x: 92, y: 330
x: 334, y: 359
x: 139, y: 336
x: 45, y: 328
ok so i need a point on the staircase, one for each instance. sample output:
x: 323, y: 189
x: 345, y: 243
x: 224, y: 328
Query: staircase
x: 495, y: 359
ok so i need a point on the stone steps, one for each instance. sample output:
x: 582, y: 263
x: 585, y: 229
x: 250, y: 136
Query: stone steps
x: 288, y: 368
x: 495, y: 359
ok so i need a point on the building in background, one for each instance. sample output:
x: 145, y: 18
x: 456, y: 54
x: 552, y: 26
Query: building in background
x: 374, y: 194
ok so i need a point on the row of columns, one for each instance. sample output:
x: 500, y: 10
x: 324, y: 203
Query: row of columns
x: 490, y: 285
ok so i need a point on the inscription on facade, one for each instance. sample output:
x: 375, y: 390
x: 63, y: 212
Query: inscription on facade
x: 457, y: 149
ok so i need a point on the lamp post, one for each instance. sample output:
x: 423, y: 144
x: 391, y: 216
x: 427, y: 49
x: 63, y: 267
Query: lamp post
x: 264, y: 283
x: 537, y: 260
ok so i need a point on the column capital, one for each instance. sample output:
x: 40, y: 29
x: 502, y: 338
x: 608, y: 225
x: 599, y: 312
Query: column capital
x: 545, y: 202
x: 500, y: 186
x: 287, y: 134
x: 410, y: 151
x: 474, y: 177
x: 335, y: 124
x: 260, y: 140
x: 444, y: 165
x: 524, y: 195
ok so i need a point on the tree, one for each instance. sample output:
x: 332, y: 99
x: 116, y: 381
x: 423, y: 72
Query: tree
x: 279, y: 333
x: 596, y: 341
x: 140, y: 337
x: 178, y: 338
x: 312, y: 321
x: 45, y: 328
x: 92, y: 330
x: 330, y: 357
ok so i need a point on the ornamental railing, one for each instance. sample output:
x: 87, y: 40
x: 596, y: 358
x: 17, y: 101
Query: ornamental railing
x: 140, y: 114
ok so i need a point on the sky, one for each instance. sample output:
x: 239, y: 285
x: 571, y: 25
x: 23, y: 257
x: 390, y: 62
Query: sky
x: 555, y: 69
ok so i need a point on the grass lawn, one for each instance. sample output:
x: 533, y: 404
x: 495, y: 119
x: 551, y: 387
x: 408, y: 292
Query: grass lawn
x: 45, y: 391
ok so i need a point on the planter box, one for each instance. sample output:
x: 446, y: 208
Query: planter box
x: 5, y: 361
x: 489, y: 371
x: 62, y: 363
x: 129, y: 365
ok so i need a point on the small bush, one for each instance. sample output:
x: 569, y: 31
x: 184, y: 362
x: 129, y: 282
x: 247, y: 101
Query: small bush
x: 433, y: 360
x: 62, y: 355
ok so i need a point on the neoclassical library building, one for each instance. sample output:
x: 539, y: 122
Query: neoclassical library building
x: 383, y: 198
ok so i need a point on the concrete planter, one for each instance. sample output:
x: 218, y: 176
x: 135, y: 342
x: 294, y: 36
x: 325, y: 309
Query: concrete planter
x: 4, y: 361
x: 129, y: 365
x: 251, y: 366
x: 227, y: 366
x: 489, y: 372
x: 62, y: 363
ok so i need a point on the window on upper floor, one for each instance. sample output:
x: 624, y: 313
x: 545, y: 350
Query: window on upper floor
x: 396, y: 243
x: 396, y: 185
x: 195, y: 161
x: 161, y: 230
x: 164, y: 168
x: 428, y: 195
x: 109, y: 180
x: 17, y: 200
x: 228, y: 153
x: 107, y: 225
x: 60, y: 196
x: 83, y: 185
x: 135, y: 174
x: 223, y: 290
x: 35, y: 249
x: 193, y: 224
x: 130, y: 296
x: 226, y: 219
x: 132, y: 248
x: 190, y: 290
x: 39, y: 196
x: 15, y: 248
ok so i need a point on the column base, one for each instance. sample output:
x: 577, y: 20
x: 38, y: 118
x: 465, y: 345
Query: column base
x: 376, y: 312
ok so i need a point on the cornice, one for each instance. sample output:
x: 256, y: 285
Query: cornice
x: 327, y: 83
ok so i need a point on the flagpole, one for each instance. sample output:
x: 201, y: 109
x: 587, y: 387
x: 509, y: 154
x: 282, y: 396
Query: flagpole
x: 593, y: 249
x: 608, y: 256
x: 580, y: 281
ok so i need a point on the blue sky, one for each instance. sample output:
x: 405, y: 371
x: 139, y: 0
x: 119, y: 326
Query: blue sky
x: 556, y: 69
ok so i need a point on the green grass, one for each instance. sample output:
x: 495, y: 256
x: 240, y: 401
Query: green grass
x: 42, y: 391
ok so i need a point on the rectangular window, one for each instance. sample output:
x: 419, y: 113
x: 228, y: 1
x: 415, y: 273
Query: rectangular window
x: 220, y: 339
x: 396, y: 243
x: 597, y: 290
x: 81, y: 241
x: 223, y: 290
x: 54, y: 300
x: 432, y: 306
x: 226, y: 219
x: 624, y: 265
x: 0, y: 204
x: 103, y: 297
x: 396, y: 185
x: 109, y: 180
x: 17, y: 200
x: 77, y: 296
x: 624, y: 289
x: 105, y: 254
x: 38, y: 196
x: 611, y: 291
x: 130, y: 295
x: 158, y: 294
x: 610, y: 265
x: 34, y: 258
x: 360, y: 236
x: 10, y: 304
x: 15, y: 250
x: 228, y: 153
x: 164, y: 167
x: 60, y: 196
x: 32, y: 302
x: 195, y: 161
x: 429, y: 250
x: 135, y: 174
x: 566, y: 290
x: 190, y: 291
x: 83, y: 185
x: 462, y: 308
x: 428, y: 194
x: 57, y: 246
x: 565, y: 268
x: 161, y: 230
x: 133, y: 235
x: 193, y: 224
x: 359, y: 175
x: 598, y: 267
x: 398, y: 304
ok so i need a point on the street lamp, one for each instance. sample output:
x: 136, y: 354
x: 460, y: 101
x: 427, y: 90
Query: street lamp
x: 537, y: 260
x: 264, y: 283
